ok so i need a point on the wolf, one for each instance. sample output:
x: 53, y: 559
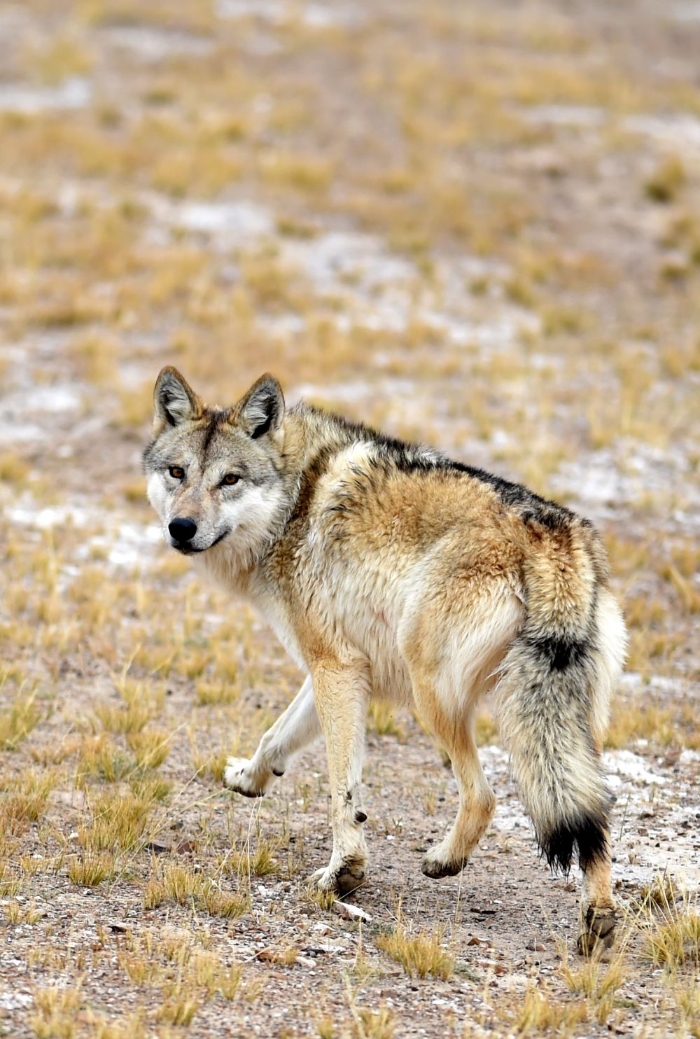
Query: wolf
x: 388, y: 570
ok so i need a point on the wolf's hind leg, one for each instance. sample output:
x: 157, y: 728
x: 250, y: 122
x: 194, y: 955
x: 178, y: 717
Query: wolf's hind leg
x: 476, y: 799
x: 292, y: 731
x: 452, y: 665
x: 342, y: 693
x: 597, y: 907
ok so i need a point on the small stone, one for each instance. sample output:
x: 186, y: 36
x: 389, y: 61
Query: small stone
x: 118, y: 926
x: 474, y: 940
x: 157, y: 848
x: 348, y: 911
x: 536, y: 947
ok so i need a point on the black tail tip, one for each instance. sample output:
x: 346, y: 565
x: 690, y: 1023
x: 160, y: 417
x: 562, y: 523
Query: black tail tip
x: 587, y: 832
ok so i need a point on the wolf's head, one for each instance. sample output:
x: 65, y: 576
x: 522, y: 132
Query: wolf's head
x: 217, y: 474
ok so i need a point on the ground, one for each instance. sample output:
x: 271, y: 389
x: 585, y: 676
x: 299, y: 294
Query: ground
x: 473, y: 225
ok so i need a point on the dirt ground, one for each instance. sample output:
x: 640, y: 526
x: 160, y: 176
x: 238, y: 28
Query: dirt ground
x: 473, y: 225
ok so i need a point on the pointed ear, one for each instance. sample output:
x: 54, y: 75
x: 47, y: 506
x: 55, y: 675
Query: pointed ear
x: 173, y: 401
x: 262, y: 409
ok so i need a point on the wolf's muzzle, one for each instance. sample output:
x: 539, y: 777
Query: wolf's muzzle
x: 182, y: 530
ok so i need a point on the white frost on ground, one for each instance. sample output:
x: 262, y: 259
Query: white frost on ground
x: 25, y: 415
x: 654, y: 821
x: 378, y: 287
x: 12, y: 999
x: 157, y: 44
x: 73, y: 93
x: 315, y: 15
x: 679, y: 131
x: 564, y: 115
x: 605, y: 481
x: 125, y: 543
x: 230, y: 224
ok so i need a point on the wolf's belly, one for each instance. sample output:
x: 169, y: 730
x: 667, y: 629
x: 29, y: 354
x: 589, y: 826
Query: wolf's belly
x: 390, y: 679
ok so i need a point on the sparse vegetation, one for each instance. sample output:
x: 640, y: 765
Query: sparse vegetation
x: 420, y: 954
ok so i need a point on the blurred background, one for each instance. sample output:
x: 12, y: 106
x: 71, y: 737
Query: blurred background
x: 476, y: 225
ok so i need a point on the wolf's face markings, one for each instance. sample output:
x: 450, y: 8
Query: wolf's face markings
x: 214, y: 472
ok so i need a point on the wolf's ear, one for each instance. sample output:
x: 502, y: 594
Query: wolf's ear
x: 262, y: 409
x: 173, y: 400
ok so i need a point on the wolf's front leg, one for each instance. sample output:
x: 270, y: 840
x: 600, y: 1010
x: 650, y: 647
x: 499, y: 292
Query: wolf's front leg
x: 342, y: 693
x: 290, y: 733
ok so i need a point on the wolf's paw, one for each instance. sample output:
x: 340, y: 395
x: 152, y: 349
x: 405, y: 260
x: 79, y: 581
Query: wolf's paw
x: 435, y: 865
x: 598, y: 932
x: 342, y: 879
x: 238, y: 777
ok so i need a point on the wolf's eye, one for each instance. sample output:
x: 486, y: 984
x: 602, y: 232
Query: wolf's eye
x: 230, y: 479
x: 177, y: 472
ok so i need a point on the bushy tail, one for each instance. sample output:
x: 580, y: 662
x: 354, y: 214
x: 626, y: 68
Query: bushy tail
x: 553, y: 693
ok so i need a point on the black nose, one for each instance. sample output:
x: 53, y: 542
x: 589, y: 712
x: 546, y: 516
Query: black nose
x: 182, y: 530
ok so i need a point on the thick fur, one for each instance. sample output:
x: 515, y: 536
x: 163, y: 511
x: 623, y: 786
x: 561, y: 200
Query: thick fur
x: 388, y: 570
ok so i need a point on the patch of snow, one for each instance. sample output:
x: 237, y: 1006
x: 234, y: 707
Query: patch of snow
x: 156, y: 44
x: 127, y: 545
x: 322, y: 16
x: 342, y: 254
x: 350, y: 392
x: 229, y: 223
x: 624, y: 765
x: 14, y: 1000
x: 679, y: 131
x: 21, y: 413
x: 54, y: 398
x: 20, y: 432
x: 315, y: 15
x: 622, y: 474
x: 565, y: 115
x: 50, y: 516
x: 73, y: 93
x: 268, y: 10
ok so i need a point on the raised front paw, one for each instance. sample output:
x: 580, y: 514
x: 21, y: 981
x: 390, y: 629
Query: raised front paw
x: 239, y: 776
x: 342, y: 878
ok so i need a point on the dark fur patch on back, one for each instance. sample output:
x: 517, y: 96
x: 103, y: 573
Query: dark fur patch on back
x: 589, y: 833
x: 560, y: 652
x: 412, y: 458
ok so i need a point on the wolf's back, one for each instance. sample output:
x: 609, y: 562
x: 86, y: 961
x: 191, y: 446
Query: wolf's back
x: 554, y: 690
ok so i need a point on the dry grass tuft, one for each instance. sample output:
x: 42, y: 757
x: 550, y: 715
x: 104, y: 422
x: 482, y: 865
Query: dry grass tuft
x: 181, y: 884
x: 119, y: 821
x: 420, y: 954
x: 91, y: 868
x: 667, y: 180
x: 674, y: 939
x: 56, y: 1012
x: 541, y: 1013
x: 18, y: 722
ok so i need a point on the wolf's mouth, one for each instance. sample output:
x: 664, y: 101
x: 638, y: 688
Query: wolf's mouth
x: 190, y: 550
